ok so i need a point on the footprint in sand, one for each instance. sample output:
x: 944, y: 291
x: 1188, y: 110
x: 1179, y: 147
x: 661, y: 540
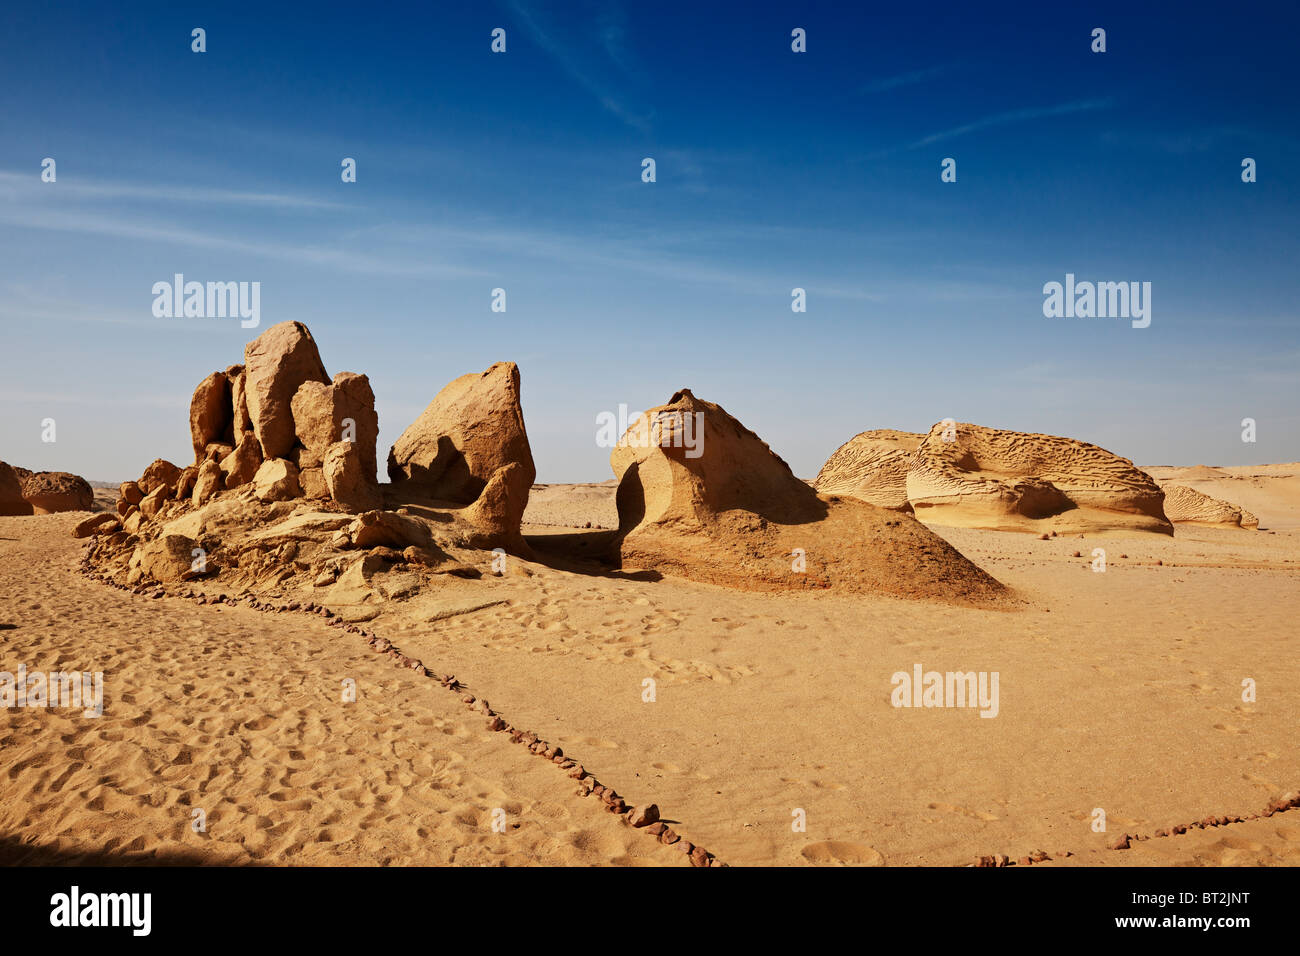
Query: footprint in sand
x: 975, y: 814
x: 842, y: 853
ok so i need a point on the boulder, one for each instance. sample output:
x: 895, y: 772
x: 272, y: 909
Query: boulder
x: 276, y: 364
x: 497, y: 513
x: 211, y: 414
x: 240, y: 466
x: 872, y: 467
x: 341, y: 411
x: 239, y: 403
x: 185, y: 483
x: 207, y: 484
x: 131, y: 492
x: 277, y: 480
x: 53, y: 491
x: 159, y: 472
x: 976, y: 477
x: 168, y: 558
x: 102, y: 523
x: 152, y: 503
x: 12, y: 501
x: 313, y: 483
x: 390, y: 529
x: 347, y: 479
x: 473, y: 427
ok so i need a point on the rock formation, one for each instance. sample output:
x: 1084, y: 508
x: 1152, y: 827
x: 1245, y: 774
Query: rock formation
x: 872, y: 467
x: 703, y: 497
x: 52, y: 491
x: 979, y: 477
x: 276, y: 364
x: 469, y: 446
x: 1185, y: 505
x: 12, y: 501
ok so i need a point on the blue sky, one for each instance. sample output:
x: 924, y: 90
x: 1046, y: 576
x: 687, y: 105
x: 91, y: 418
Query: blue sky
x: 775, y: 170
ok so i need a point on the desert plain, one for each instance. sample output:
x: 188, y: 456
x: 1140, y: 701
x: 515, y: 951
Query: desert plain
x: 535, y: 665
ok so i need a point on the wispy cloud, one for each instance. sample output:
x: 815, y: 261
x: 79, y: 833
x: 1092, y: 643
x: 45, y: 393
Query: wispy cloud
x: 14, y: 184
x: 911, y: 78
x: 611, y: 38
x: 1012, y: 117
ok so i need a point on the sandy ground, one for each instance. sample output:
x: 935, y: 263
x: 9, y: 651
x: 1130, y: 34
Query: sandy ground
x: 1119, y: 690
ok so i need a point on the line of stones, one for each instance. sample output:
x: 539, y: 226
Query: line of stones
x: 1126, y: 840
x: 645, y: 818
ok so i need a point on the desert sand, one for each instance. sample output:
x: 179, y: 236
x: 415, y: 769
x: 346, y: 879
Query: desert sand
x: 702, y: 655
x: 1119, y: 690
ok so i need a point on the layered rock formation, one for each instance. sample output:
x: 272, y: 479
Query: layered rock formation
x: 1013, y: 481
x: 872, y: 467
x: 703, y: 497
x: 1185, y: 505
x: 469, y: 446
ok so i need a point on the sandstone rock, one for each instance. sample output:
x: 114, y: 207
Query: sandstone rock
x: 348, y: 480
x: 472, y: 428
x: 124, y: 507
x: 152, y: 503
x: 240, y: 466
x: 1185, y: 505
x: 1013, y: 481
x: 341, y: 411
x: 644, y: 816
x: 314, y: 485
x: 159, y: 472
x: 131, y: 523
x: 12, y: 501
x: 499, y: 510
x: 374, y: 528
x: 276, y: 364
x: 102, y: 523
x: 241, y: 422
x: 131, y: 492
x: 873, y: 467
x: 49, y: 492
x: 185, y: 483
x: 208, y: 482
x: 211, y: 414
x: 170, y: 557
x: 276, y: 480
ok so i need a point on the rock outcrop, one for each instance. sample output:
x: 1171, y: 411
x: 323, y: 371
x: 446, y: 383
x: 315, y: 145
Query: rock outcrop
x: 703, y: 497
x: 49, y: 492
x: 472, y: 437
x: 872, y: 467
x: 976, y: 477
x: 276, y: 364
x: 211, y: 415
x: 12, y: 501
x: 1185, y: 505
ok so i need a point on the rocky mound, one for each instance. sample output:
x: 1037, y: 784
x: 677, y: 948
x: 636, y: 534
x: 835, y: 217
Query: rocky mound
x: 1185, y: 505
x: 469, y: 446
x: 873, y: 467
x: 703, y: 497
x: 1012, y: 481
x: 49, y: 492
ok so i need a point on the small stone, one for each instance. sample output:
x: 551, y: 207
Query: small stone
x: 656, y: 829
x: 1121, y: 843
x: 668, y: 837
x: 496, y: 723
x: 644, y: 816
x: 699, y: 856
